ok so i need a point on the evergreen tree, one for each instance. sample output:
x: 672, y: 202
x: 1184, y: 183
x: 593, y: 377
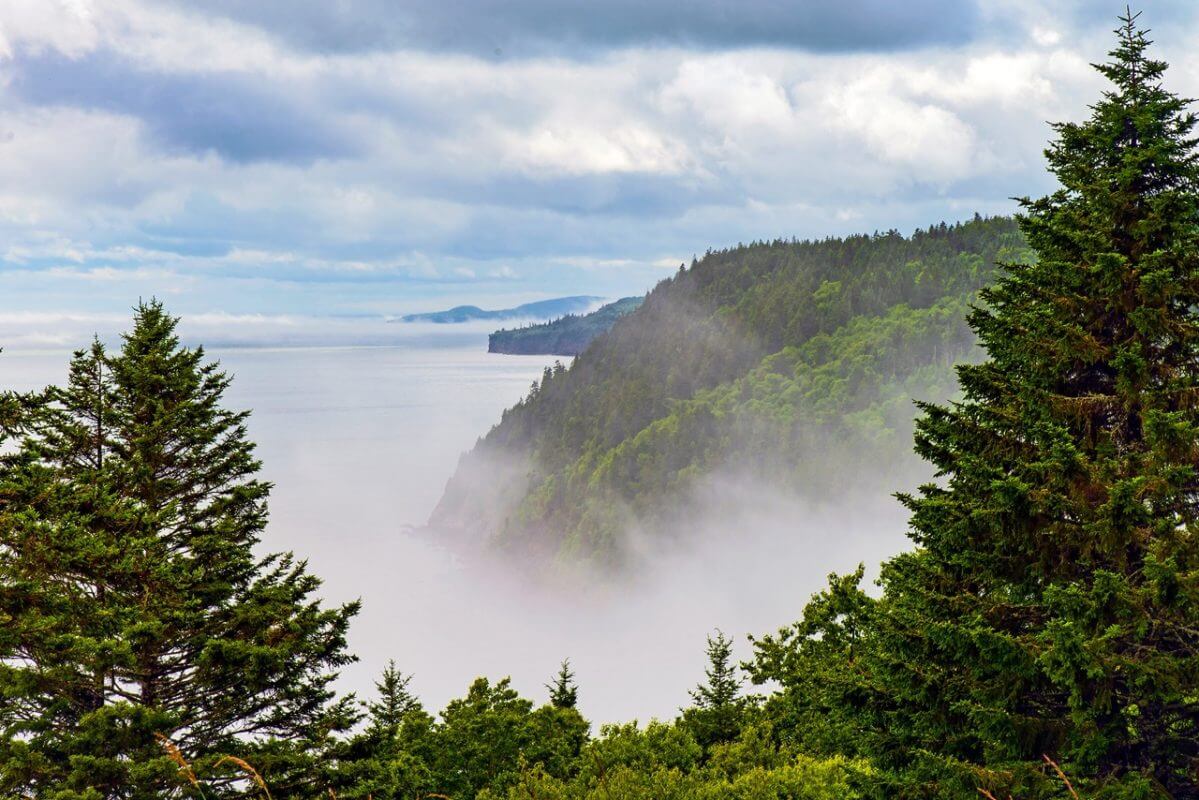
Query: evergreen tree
x: 718, y: 705
x: 390, y: 759
x: 394, y: 704
x: 132, y: 601
x: 564, y: 692
x: 1051, y: 607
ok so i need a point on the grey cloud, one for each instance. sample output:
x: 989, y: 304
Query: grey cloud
x: 520, y: 28
x: 229, y: 114
x: 593, y: 196
x: 1153, y: 13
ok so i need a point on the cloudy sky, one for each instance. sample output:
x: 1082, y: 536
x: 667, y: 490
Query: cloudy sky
x: 310, y: 157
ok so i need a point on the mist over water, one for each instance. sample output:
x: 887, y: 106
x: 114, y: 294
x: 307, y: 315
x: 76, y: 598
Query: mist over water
x: 360, y: 441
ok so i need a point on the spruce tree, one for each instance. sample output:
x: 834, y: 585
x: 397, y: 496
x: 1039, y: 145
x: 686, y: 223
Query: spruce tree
x: 394, y: 703
x: 390, y: 758
x: 1051, y: 606
x: 716, y: 714
x: 133, y: 602
x: 564, y: 692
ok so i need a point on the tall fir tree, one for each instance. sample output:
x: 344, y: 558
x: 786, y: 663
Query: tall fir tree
x: 1051, y: 607
x: 132, y: 599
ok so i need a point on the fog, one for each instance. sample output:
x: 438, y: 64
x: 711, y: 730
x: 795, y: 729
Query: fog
x: 31, y: 330
x: 360, y: 441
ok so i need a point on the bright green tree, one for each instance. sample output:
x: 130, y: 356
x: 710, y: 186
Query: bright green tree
x: 133, y: 603
x: 1051, y: 607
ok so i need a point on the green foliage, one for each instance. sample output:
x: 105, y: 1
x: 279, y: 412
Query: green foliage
x: 564, y: 692
x: 494, y: 744
x: 131, y: 597
x: 643, y: 770
x: 479, y: 744
x: 718, y: 709
x: 1049, y: 612
x: 816, y: 661
x: 1049, y: 607
x: 394, y: 705
x: 753, y: 359
x: 566, y: 336
x: 484, y: 736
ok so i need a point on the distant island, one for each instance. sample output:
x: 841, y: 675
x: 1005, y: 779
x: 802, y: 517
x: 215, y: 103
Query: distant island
x: 567, y: 336
x: 541, y: 310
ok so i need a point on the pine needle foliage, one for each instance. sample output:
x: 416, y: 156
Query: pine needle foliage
x: 564, y: 691
x: 132, y: 599
x: 1051, y: 607
x: 717, y: 710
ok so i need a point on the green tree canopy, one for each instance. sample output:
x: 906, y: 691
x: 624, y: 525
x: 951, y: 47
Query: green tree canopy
x: 132, y: 600
x: 1051, y: 606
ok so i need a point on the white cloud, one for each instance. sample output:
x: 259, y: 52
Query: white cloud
x: 738, y: 94
x: 581, y: 150
x: 68, y: 26
x: 559, y: 171
x: 931, y: 140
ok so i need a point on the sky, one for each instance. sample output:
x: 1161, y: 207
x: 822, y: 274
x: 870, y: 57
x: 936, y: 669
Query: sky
x: 287, y: 159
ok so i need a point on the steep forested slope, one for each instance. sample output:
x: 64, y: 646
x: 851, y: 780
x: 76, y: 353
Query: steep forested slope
x: 788, y: 362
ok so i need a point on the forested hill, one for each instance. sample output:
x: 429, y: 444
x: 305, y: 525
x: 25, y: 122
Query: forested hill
x: 793, y: 363
x: 565, y: 336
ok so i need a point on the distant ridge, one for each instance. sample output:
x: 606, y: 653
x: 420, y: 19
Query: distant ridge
x: 566, y: 336
x: 540, y: 310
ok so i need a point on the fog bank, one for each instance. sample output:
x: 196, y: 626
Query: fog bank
x: 360, y: 442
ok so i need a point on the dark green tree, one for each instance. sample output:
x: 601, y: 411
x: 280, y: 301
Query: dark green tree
x: 489, y: 736
x: 390, y: 758
x: 824, y: 705
x: 564, y: 692
x: 394, y: 704
x: 718, y: 707
x: 133, y: 603
x: 1051, y: 607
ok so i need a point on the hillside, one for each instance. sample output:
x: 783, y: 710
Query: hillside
x: 542, y: 309
x: 566, y: 336
x: 790, y: 363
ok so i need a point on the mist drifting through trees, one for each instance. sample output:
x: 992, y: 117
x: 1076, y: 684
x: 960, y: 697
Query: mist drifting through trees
x: 708, y: 458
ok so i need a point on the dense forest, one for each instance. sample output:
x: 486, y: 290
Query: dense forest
x: 789, y: 363
x: 1039, y: 639
x: 565, y: 336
